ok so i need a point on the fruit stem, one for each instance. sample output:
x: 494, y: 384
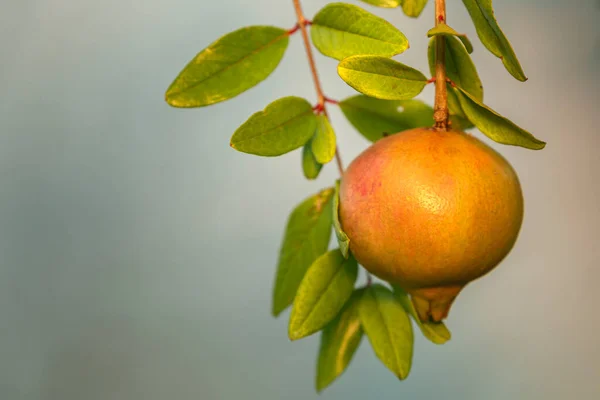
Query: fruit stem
x: 321, y: 98
x: 440, y: 113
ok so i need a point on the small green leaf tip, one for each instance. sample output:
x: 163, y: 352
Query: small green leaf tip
x: 339, y: 341
x: 342, y: 238
x: 310, y: 166
x: 495, y: 126
x: 323, y: 143
x: 413, y: 8
x: 444, y: 30
x: 492, y: 37
x: 384, y: 3
x: 388, y: 328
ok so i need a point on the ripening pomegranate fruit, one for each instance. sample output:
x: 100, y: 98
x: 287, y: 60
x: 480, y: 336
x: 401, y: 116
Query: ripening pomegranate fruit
x: 430, y: 211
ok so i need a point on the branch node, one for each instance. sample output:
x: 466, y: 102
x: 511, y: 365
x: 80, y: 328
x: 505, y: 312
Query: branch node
x: 293, y: 30
x: 321, y: 98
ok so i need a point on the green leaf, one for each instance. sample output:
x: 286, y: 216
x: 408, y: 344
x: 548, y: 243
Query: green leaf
x: 381, y: 77
x: 460, y: 69
x: 283, y: 126
x: 413, y: 8
x: 342, y: 239
x: 458, y: 119
x: 323, y: 143
x: 495, y: 126
x: 436, y: 332
x: 492, y: 37
x: 324, y: 290
x: 339, y: 341
x: 306, y: 238
x: 460, y: 123
x: 310, y: 166
x: 341, y: 30
x: 384, y: 3
x: 388, y: 328
x: 231, y: 65
x: 444, y: 30
x: 374, y: 117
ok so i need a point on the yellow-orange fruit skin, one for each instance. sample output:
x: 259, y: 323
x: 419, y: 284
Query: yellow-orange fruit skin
x: 430, y: 211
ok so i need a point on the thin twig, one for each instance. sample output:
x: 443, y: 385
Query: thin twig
x: 338, y: 161
x: 440, y: 114
x: 321, y: 98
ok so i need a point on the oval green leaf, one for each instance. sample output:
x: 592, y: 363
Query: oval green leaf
x: 310, y: 167
x: 445, y: 30
x: 342, y: 30
x: 325, y: 288
x: 307, y: 236
x: 374, y: 117
x: 492, y: 37
x: 342, y: 239
x: 323, y: 143
x: 460, y: 68
x: 381, y: 77
x: 388, y: 328
x: 460, y: 123
x: 458, y: 119
x: 495, y: 126
x: 456, y: 57
x: 436, y: 332
x: 413, y: 8
x: 384, y: 3
x: 233, y: 64
x: 283, y: 126
x: 339, y: 341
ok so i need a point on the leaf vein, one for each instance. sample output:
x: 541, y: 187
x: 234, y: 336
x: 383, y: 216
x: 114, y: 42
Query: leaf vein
x: 266, y: 132
x: 229, y: 66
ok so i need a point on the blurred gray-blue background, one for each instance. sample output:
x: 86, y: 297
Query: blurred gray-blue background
x: 137, y: 249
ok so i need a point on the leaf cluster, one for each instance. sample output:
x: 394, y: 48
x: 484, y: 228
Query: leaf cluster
x: 363, y: 43
x: 318, y: 281
x: 320, y: 285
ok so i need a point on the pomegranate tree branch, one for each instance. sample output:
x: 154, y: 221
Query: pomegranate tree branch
x: 321, y: 98
x: 440, y: 113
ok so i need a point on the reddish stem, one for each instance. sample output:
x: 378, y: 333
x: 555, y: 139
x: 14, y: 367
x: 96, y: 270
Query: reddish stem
x: 297, y: 27
x: 320, y: 108
x: 293, y: 30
